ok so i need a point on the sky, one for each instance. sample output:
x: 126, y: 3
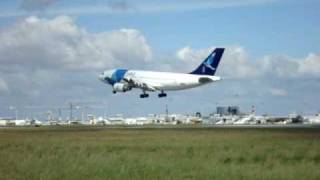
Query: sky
x: 52, y: 51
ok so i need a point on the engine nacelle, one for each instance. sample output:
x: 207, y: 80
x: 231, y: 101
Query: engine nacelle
x: 121, y: 87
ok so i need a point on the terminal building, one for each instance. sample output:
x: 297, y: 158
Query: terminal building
x: 228, y: 110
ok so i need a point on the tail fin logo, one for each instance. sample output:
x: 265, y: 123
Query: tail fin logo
x: 208, y: 63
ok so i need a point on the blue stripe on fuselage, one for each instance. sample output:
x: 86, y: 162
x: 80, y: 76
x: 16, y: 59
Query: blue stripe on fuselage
x: 118, y: 75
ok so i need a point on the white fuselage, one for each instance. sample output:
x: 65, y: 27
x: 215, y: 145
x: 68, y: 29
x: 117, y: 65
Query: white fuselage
x: 167, y: 81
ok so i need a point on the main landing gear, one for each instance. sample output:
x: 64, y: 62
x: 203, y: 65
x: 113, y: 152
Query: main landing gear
x: 144, y: 95
x: 162, y: 94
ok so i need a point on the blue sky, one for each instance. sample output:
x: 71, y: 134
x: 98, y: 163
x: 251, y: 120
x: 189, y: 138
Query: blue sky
x: 272, y: 59
x: 274, y: 24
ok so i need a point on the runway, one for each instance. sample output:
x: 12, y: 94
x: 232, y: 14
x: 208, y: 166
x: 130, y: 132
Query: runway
x: 196, y: 126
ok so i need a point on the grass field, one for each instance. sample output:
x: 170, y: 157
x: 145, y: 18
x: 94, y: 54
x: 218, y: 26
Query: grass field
x: 217, y: 153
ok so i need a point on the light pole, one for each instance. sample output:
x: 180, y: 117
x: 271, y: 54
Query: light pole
x: 78, y: 107
x: 86, y: 112
x: 16, y: 111
x: 71, y: 108
x: 60, y: 114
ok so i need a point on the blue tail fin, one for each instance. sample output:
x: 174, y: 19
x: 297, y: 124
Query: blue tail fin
x: 210, y: 64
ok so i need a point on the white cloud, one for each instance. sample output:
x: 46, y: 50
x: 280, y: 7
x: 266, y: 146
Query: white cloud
x: 279, y: 66
x: 38, y: 55
x: 60, y: 43
x: 189, y: 55
x: 310, y: 65
x: 278, y: 92
x: 235, y: 62
x: 284, y: 66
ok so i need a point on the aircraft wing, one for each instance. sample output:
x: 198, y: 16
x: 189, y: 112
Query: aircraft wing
x: 136, y: 83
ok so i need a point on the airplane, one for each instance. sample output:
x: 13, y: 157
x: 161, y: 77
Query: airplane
x: 123, y: 80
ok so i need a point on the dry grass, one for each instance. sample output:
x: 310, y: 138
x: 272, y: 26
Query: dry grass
x: 99, y: 153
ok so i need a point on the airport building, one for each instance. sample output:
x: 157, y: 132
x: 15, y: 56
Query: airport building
x: 225, y: 115
x: 228, y: 110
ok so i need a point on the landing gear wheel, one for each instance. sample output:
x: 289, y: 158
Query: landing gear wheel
x: 162, y: 94
x: 144, y: 95
x: 114, y: 92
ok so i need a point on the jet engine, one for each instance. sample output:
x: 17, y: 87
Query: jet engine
x: 121, y: 87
